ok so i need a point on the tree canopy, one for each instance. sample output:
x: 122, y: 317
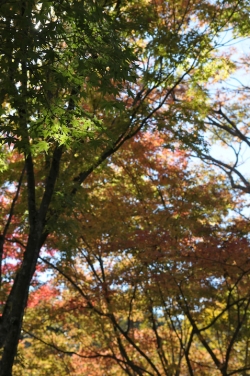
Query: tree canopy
x: 124, y: 246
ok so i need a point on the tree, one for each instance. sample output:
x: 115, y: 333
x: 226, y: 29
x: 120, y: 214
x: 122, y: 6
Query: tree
x: 48, y: 62
x: 160, y: 287
x: 79, y: 79
x: 224, y: 119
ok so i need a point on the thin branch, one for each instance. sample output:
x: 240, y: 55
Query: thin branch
x: 197, y: 331
x: 229, y: 170
x: 3, y: 235
x: 70, y: 353
x: 31, y: 190
x: 236, y: 333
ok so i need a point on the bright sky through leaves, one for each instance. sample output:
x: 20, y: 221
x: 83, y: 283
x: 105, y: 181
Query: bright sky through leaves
x: 117, y: 237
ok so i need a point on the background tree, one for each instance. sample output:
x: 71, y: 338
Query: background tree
x: 156, y: 282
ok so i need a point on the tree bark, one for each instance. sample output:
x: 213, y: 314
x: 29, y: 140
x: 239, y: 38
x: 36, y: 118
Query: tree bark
x: 11, y: 320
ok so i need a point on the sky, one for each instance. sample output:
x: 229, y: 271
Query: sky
x: 236, y: 80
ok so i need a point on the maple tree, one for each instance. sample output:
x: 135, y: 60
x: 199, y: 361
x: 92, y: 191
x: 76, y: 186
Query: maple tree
x: 157, y: 283
x: 78, y: 81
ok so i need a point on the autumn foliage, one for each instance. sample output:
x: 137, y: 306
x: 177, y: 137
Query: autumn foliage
x: 124, y: 246
x: 153, y: 275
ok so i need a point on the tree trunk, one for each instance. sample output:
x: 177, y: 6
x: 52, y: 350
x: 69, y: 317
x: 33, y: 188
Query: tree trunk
x: 11, y: 321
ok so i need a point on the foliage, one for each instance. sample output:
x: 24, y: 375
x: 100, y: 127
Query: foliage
x: 127, y: 251
x: 156, y: 282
